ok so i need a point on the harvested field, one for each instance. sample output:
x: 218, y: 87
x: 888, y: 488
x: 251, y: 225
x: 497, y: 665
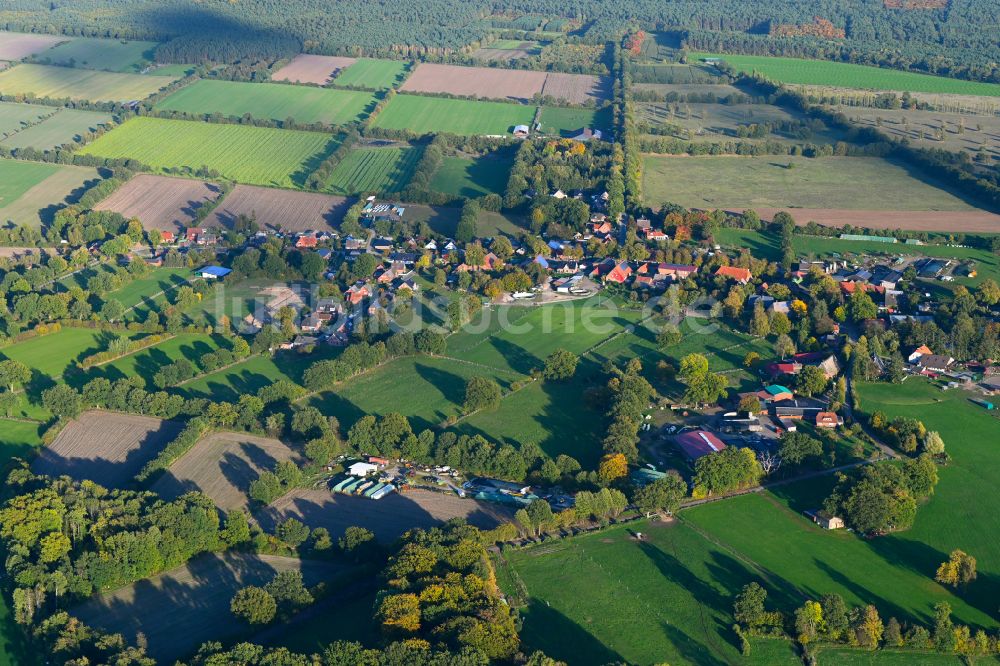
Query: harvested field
x: 223, y: 465
x: 66, y: 126
x: 483, y: 82
x: 167, y: 204
x: 388, y: 517
x: 180, y: 609
x: 17, y: 45
x: 966, y: 221
x: 305, y: 68
x: 106, y: 447
x: 15, y: 117
x: 79, y: 84
x: 284, y: 209
x: 576, y: 88
x: 46, y: 188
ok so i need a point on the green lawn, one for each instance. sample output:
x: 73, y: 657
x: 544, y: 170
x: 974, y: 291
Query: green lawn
x: 847, y: 75
x: 424, y: 115
x: 425, y: 389
x: 472, y: 177
x: 147, y: 362
x: 137, y: 295
x: 66, y: 126
x: 79, y: 84
x: 246, y: 154
x: 861, y: 183
x: 274, y: 101
x: 606, y: 598
x: 374, y: 170
x: 17, y: 177
x: 17, y: 440
x: 108, y: 54
x: 372, y: 74
x: 569, y: 121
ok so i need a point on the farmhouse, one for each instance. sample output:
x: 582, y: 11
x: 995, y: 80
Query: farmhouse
x: 827, y: 420
x: 214, y: 272
x: 698, y: 443
x: 916, y: 354
x: 934, y: 362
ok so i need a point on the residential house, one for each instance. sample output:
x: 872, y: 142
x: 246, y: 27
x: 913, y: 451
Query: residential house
x: 619, y: 274
x: 827, y: 420
x: 934, y: 362
x: 357, y: 293
x: 922, y: 350
x: 740, y: 275
x: 306, y: 241
x: 168, y: 237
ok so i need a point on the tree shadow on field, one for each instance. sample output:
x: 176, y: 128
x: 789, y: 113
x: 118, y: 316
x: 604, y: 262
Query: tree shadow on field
x: 312, y: 163
x: 451, y: 386
x: 561, y: 638
x: 518, y: 358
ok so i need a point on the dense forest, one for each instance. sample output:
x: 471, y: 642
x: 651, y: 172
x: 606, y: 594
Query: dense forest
x: 957, y: 38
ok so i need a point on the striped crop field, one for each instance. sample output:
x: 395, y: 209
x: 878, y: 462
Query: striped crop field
x: 374, y: 170
x: 243, y: 153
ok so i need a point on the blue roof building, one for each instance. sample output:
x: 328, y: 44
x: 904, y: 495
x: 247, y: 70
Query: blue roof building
x: 214, y: 272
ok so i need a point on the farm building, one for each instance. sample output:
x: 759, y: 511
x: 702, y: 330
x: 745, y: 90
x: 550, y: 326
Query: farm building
x: 586, y: 134
x: 698, y: 443
x: 361, y: 469
x: 934, y: 362
x: 827, y: 420
x: 214, y: 272
x: 521, y: 131
x: 922, y: 350
x: 740, y: 275
x: 825, y: 520
x: 775, y: 393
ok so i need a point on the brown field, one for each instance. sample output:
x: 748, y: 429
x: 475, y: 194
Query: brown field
x: 388, y: 517
x: 16, y: 45
x: 576, y: 88
x: 968, y: 221
x: 223, y: 466
x: 280, y: 209
x: 485, y: 82
x: 180, y: 609
x: 106, y: 447
x: 305, y: 68
x: 160, y: 202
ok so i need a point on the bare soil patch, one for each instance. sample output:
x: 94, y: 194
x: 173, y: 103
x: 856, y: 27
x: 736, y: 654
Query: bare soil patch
x: 968, y: 221
x: 305, y: 68
x: 167, y: 204
x: 106, y: 447
x: 17, y: 45
x: 485, y: 82
x: 388, y: 517
x: 280, y: 209
x: 222, y: 466
x: 180, y: 609
x: 576, y: 88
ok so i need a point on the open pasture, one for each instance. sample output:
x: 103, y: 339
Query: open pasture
x: 967, y: 221
x: 167, y: 204
x: 79, y: 84
x: 222, y: 466
x: 180, y: 609
x: 18, y: 45
x: 957, y: 132
x: 381, y: 170
x: 423, y: 115
x: 113, y: 55
x: 485, y: 82
x: 506, y: 50
x: 106, y: 447
x: 15, y: 117
x: 17, y: 440
x: 387, y: 518
x: 53, y: 354
x: 957, y: 516
x: 307, y: 68
x: 270, y: 101
x: 568, y: 122
x: 674, y: 91
x: 31, y: 193
x: 253, y: 374
x: 792, y: 182
x: 372, y: 74
x: 718, y: 122
x: 427, y: 390
x: 138, y: 295
x: 849, y: 75
x: 246, y: 154
x: 576, y: 88
x: 280, y: 209
x: 65, y: 127
x: 472, y: 176
x: 147, y: 362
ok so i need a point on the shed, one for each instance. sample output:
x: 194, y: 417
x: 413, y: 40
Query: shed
x: 825, y: 520
x: 214, y: 272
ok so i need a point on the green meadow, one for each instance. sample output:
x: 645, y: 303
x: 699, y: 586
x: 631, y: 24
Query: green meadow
x: 472, y: 177
x: 372, y: 74
x: 423, y: 115
x: 374, y: 170
x: 79, y: 84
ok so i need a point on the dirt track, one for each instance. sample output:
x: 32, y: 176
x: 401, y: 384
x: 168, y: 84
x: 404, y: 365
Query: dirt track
x: 388, y: 517
x: 968, y: 221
